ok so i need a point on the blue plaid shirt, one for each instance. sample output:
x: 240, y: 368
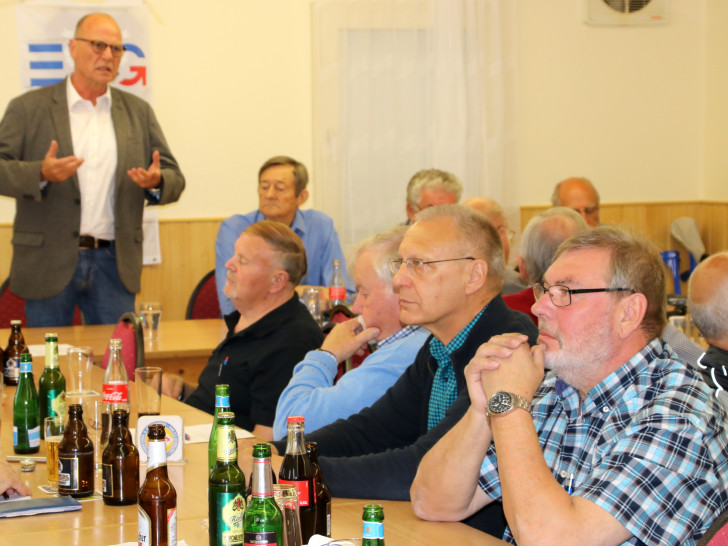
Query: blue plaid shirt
x: 444, y: 385
x: 647, y: 445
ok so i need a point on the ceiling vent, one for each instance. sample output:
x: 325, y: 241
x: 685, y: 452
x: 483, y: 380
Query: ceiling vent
x: 626, y: 12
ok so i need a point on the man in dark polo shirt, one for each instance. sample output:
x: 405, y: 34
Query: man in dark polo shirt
x: 268, y: 333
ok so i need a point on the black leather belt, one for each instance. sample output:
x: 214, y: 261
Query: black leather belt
x: 86, y: 241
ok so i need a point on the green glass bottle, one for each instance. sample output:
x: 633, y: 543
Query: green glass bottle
x: 263, y: 519
x: 373, y: 525
x: 26, y: 417
x: 226, y: 487
x: 222, y: 403
x: 52, y: 384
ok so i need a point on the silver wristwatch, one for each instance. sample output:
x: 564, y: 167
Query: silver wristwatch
x: 503, y: 402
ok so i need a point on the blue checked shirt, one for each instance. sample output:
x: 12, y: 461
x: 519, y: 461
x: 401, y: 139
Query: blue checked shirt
x: 444, y: 385
x: 647, y: 445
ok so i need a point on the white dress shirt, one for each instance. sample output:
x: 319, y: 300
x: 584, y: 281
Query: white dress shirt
x: 94, y: 141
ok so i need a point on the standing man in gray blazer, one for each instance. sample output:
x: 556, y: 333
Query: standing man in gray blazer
x: 81, y: 159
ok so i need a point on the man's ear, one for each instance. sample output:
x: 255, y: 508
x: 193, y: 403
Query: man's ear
x: 302, y: 197
x: 522, y: 268
x: 477, y: 277
x: 279, y: 281
x: 630, y: 312
x: 411, y: 212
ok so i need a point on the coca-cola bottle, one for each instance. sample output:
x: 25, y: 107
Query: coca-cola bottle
x: 297, y: 469
x: 115, y: 391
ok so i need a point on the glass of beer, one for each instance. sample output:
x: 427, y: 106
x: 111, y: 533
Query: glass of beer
x: 148, y: 385
x: 53, y: 429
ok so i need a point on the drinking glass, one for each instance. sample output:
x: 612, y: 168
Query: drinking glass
x: 53, y: 431
x: 286, y: 496
x: 150, y: 313
x: 148, y: 387
x: 313, y: 301
x: 93, y: 418
x: 80, y: 360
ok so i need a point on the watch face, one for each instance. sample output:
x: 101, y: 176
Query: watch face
x: 500, y: 402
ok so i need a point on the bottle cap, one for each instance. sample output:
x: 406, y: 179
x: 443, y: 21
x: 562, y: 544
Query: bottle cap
x: 295, y: 419
x: 27, y: 465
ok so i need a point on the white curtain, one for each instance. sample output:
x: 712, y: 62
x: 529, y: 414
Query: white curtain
x: 404, y: 85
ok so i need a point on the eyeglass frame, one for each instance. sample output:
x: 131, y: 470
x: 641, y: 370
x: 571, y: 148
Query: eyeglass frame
x: 536, y: 287
x: 116, y: 50
x: 396, y: 263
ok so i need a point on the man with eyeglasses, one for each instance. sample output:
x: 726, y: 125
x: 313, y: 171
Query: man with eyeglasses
x: 448, y: 275
x: 579, y: 194
x: 621, y: 443
x: 81, y: 159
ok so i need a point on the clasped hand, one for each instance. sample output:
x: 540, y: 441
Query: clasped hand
x: 504, y: 363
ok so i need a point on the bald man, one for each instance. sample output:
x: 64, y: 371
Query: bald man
x: 513, y: 281
x: 708, y: 304
x: 81, y: 159
x: 579, y: 194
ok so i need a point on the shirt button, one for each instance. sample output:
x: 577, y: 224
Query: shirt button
x: 605, y: 409
x: 563, y: 474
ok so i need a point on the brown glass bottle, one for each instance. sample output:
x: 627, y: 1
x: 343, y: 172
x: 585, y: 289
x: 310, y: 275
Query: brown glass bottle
x: 323, y: 495
x: 120, y: 463
x: 16, y: 347
x: 75, y: 457
x: 157, y: 497
x: 297, y: 470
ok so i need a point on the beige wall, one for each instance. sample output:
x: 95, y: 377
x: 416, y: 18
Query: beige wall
x: 642, y: 111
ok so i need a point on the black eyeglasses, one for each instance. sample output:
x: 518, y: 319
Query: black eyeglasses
x: 416, y: 265
x: 99, y: 47
x: 561, y: 295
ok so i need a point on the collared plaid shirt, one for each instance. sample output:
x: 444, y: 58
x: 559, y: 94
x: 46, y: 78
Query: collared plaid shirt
x: 648, y: 445
x: 444, y: 386
x: 399, y: 334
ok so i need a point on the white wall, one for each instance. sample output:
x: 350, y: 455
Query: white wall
x: 641, y: 111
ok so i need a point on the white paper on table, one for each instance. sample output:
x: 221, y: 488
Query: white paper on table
x: 39, y: 350
x: 198, y: 434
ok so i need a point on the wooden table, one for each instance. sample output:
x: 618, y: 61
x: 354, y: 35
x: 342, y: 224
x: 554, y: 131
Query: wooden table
x: 183, y: 346
x: 99, y: 524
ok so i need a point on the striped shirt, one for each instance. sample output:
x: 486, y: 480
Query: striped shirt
x: 647, y: 445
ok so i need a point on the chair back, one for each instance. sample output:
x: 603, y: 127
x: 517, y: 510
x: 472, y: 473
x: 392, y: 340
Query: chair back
x: 129, y: 331
x: 203, y: 301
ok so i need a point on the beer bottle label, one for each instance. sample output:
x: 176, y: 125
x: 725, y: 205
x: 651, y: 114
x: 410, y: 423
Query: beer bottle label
x: 230, y: 518
x: 34, y: 437
x: 373, y: 529
x: 227, y: 450
x: 261, y: 538
x: 68, y: 473
x: 26, y: 367
x: 222, y: 401
x: 303, y: 488
x: 12, y: 368
x: 107, y: 484
x: 157, y: 455
x: 144, y: 525
x: 115, y: 393
x: 56, y: 402
x: 172, y: 527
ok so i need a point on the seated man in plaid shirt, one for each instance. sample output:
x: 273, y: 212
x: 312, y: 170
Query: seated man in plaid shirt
x: 620, y: 444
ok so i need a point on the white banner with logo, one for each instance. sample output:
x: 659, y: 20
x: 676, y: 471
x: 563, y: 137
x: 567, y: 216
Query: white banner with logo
x: 44, y: 30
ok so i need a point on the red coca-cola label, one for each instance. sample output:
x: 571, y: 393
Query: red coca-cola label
x: 117, y: 393
x: 302, y: 487
x: 337, y: 292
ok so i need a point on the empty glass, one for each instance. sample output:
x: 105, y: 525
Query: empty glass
x: 150, y: 313
x: 286, y: 496
x: 80, y: 360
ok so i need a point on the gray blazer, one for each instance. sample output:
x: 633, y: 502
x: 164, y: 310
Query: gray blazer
x: 47, y: 222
